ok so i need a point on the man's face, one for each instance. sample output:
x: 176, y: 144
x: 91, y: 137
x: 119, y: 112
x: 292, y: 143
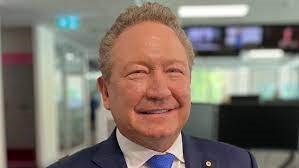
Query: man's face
x: 148, y: 92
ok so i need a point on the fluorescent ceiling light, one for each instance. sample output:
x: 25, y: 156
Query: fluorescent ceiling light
x: 263, y: 54
x: 237, y: 10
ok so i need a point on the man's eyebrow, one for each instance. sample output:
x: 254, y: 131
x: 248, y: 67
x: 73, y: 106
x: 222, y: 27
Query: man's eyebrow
x: 137, y: 62
x: 130, y: 63
x: 144, y: 63
x: 171, y: 62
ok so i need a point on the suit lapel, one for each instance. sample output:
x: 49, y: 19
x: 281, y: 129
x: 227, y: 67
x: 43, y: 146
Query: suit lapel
x: 109, y: 154
x: 196, y: 154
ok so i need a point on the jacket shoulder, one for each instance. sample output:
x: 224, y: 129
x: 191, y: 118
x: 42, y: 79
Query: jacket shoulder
x: 79, y: 159
x: 226, y: 154
x: 217, y: 146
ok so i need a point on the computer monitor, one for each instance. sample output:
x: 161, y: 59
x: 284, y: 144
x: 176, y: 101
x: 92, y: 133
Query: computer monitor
x: 282, y: 36
x: 259, y: 126
x: 243, y: 37
x: 205, y: 38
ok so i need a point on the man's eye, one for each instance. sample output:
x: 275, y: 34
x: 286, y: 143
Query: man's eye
x: 137, y: 74
x: 174, y: 70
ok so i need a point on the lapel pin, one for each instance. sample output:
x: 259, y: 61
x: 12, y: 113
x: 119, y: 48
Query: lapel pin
x: 208, y: 163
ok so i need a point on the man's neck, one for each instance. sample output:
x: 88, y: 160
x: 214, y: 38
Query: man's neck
x: 161, y: 144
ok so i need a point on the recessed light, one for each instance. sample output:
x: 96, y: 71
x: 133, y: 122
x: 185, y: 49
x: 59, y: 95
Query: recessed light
x: 209, y: 11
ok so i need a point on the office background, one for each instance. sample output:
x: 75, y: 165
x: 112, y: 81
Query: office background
x: 247, y: 59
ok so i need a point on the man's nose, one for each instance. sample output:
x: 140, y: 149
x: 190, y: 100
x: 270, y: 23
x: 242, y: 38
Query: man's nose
x: 158, y: 86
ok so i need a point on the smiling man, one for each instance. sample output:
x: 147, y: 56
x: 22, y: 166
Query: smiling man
x: 146, y: 61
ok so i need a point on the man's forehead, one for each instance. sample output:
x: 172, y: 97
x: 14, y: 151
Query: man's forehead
x: 153, y: 41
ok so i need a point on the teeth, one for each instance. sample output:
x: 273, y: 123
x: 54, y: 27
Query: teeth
x: 156, y: 111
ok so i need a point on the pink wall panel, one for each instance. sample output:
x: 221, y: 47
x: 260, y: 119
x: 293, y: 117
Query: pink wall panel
x: 16, y: 58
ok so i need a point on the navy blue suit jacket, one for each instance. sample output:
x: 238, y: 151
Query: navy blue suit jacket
x: 108, y: 154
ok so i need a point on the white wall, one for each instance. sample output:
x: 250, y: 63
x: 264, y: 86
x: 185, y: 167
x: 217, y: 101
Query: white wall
x: 46, y: 110
x: 2, y: 135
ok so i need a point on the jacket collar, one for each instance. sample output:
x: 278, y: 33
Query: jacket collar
x: 109, y: 154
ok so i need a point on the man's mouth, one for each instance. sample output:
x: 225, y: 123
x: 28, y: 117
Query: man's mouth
x: 155, y: 111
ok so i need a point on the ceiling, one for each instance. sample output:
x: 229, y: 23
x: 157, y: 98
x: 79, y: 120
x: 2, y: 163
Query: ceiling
x: 96, y: 16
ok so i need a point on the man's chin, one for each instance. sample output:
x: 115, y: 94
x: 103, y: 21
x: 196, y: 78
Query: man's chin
x: 159, y: 133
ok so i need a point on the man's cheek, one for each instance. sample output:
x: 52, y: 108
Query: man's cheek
x: 136, y: 91
x: 182, y: 89
x: 132, y: 95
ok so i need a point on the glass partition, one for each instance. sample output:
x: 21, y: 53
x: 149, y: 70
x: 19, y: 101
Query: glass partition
x: 72, y: 95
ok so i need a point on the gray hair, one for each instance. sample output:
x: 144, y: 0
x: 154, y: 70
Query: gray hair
x: 136, y: 14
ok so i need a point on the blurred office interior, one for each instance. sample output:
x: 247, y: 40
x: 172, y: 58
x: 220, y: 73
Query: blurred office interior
x: 245, y: 79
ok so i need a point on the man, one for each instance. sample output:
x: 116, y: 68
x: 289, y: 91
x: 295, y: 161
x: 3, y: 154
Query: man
x: 146, y: 61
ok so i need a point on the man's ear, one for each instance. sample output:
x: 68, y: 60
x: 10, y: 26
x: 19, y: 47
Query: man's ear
x: 102, y: 86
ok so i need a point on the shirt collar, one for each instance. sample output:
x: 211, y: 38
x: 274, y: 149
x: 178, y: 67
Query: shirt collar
x: 136, y: 155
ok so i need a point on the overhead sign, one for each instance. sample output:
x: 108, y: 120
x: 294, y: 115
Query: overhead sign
x: 68, y: 22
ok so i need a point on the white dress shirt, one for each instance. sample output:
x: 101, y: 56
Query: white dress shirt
x: 136, y: 155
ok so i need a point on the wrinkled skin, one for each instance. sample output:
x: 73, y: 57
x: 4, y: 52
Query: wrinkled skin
x: 148, y: 91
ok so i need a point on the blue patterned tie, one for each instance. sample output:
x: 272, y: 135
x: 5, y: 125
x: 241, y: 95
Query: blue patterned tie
x: 161, y: 161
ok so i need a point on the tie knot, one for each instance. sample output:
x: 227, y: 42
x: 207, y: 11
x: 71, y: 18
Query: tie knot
x: 161, y: 161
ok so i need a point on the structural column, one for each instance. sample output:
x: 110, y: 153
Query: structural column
x: 45, y: 104
x: 2, y: 134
